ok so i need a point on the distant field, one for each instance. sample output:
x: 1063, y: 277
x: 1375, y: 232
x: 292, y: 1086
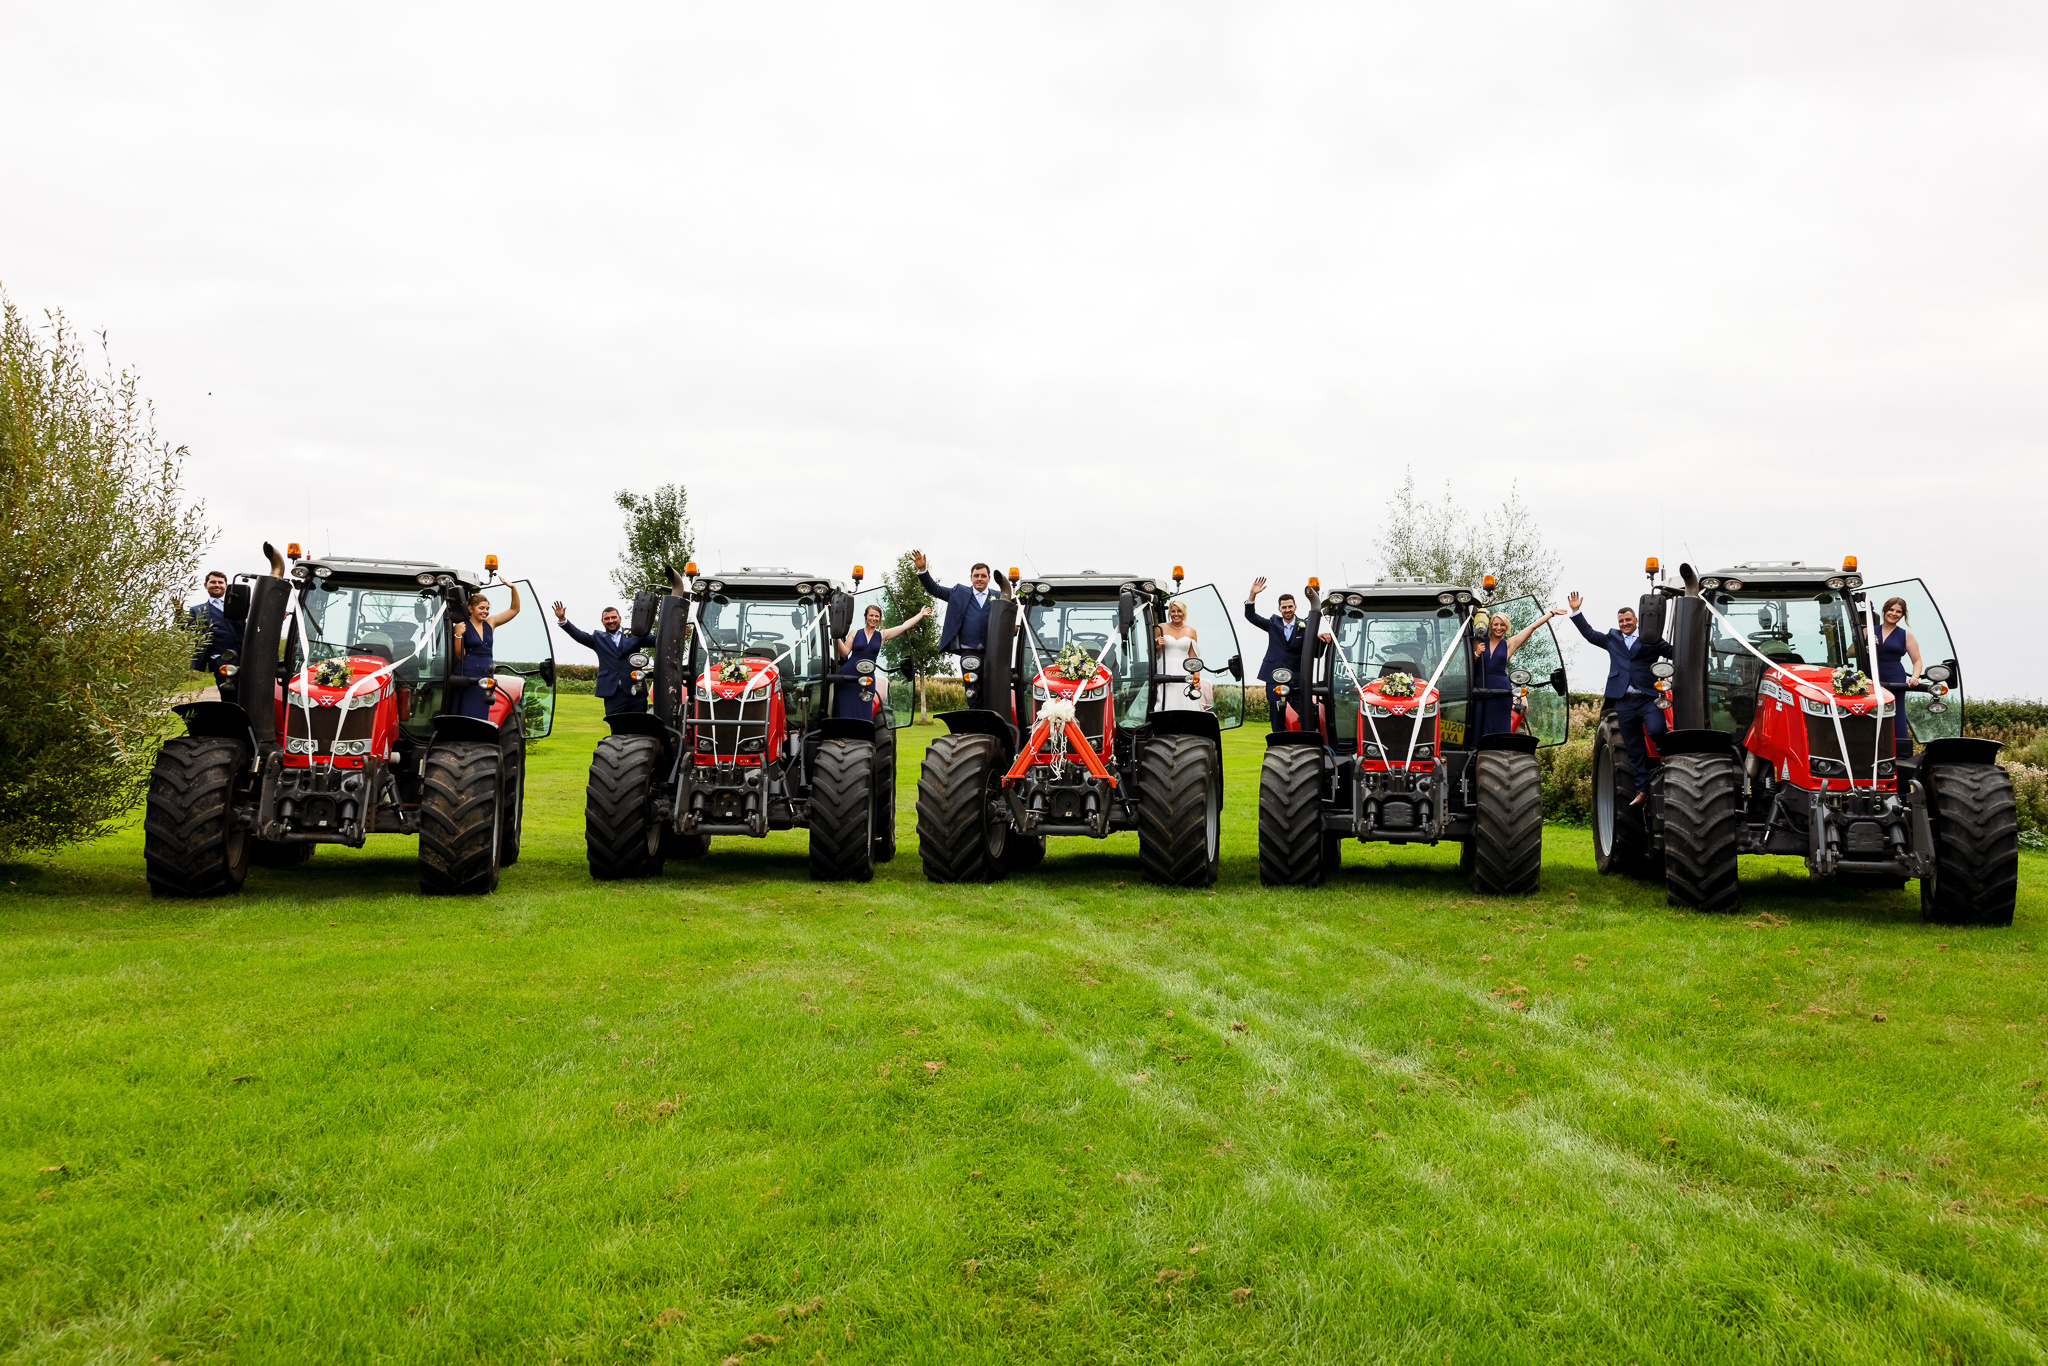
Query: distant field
x: 730, y: 1113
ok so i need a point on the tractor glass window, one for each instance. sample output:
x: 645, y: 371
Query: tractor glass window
x: 1789, y: 627
x: 1931, y: 717
x: 1219, y: 689
x: 386, y: 620
x: 1542, y: 711
x: 522, y: 647
x: 1373, y: 642
x: 768, y: 628
x: 1092, y: 626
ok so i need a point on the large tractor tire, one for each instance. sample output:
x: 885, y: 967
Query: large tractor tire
x: 1621, y: 843
x: 460, y: 818
x: 843, y: 812
x: 960, y: 837
x: 885, y: 796
x: 279, y: 853
x: 1507, y: 824
x: 512, y: 782
x: 1291, y: 817
x: 1702, y: 832
x: 1976, y: 845
x: 1180, y: 811
x: 621, y: 837
x: 191, y: 843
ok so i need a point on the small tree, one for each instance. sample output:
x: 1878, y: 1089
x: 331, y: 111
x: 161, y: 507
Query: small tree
x: 1440, y: 543
x: 95, y: 536
x: 657, y: 533
x: 920, y: 644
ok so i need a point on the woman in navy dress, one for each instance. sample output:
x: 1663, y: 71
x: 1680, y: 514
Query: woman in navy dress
x: 473, y: 660
x: 1490, y: 656
x: 865, y: 642
x: 1895, y: 644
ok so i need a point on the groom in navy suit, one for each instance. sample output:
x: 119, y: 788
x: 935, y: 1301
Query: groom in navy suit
x: 966, y: 629
x: 611, y: 645
x: 1283, y: 644
x: 220, y: 634
x: 1631, y: 686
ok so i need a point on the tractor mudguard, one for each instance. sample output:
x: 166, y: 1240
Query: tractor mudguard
x: 225, y: 720
x: 1955, y: 749
x: 1514, y: 743
x: 847, y: 728
x: 449, y: 726
x: 637, y: 723
x: 1282, y: 739
x: 1201, y: 724
x: 1695, y: 742
x: 981, y: 721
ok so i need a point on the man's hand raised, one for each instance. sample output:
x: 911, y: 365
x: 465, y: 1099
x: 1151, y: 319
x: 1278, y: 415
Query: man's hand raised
x: 560, y: 614
x: 917, y: 560
x: 1575, y: 600
x: 1258, y: 587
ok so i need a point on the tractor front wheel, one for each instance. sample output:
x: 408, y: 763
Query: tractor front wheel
x: 1976, y: 846
x: 1621, y: 843
x: 460, y: 822
x: 961, y: 836
x: 1291, y: 817
x: 192, y: 845
x: 621, y: 837
x: 1180, y: 811
x: 1505, y: 849
x: 1702, y: 831
x: 843, y: 812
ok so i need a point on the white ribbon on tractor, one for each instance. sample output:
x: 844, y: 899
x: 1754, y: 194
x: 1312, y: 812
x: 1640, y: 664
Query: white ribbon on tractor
x: 378, y: 676
x: 1415, y: 732
x: 756, y: 681
x: 1800, y: 688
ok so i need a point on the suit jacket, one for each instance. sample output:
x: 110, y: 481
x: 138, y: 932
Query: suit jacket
x: 221, y: 634
x: 1625, y: 670
x: 1283, y: 651
x: 614, y: 674
x: 966, y: 620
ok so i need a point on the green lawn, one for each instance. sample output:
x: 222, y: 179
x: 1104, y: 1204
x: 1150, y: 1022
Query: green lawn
x: 733, y: 1114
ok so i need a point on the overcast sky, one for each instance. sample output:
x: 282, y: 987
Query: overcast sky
x: 1069, y: 285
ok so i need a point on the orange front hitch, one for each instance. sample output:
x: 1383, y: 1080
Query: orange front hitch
x: 1079, y: 742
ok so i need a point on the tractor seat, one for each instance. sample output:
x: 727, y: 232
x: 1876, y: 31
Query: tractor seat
x: 379, y: 648
x: 762, y: 652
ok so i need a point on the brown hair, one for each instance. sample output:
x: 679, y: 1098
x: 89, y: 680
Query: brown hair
x: 1889, y: 603
x: 475, y: 598
x: 972, y: 567
x: 871, y: 607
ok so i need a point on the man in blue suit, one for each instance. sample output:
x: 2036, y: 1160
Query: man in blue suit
x: 966, y: 628
x: 1283, y: 644
x: 221, y: 635
x: 1631, y: 686
x: 611, y: 645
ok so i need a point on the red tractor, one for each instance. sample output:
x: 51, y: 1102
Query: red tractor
x: 1382, y: 741
x: 753, y: 726
x: 1779, y: 742
x: 1075, y: 725
x: 336, y: 728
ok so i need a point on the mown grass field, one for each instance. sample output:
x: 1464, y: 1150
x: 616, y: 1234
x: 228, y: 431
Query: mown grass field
x: 733, y: 1114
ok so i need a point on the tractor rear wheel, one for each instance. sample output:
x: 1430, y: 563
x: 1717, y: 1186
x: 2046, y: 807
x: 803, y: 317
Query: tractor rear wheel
x: 885, y: 796
x: 1291, y: 817
x: 1621, y: 844
x: 460, y: 818
x: 621, y: 837
x: 1506, y: 844
x: 512, y: 805
x: 1702, y: 832
x: 279, y: 854
x: 191, y: 843
x: 1180, y: 811
x: 843, y: 812
x: 961, y: 837
x: 1976, y: 846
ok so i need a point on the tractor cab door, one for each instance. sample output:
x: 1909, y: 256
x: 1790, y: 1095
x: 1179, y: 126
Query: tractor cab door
x: 1931, y: 717
x: 892, y: 670
x: 525, y: 647
x: 1539, y: 657
x: 1221, y: 681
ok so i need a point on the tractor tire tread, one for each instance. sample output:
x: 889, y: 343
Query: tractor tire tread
x: 1291, y: 817
x: 842, y: 812
x: 617, y: 811
x: 1975, y: 819
x: 952, y: 790
x: 1506, y: 843
x: 1177, y: 777
x: 187, y: 849
x: 1703, y: 822
x: 459, y: 818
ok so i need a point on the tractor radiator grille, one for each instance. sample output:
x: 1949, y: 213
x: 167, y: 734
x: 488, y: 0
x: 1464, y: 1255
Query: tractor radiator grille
x: 1088, y: 716
x: 354, y: 729
x: 1393, y: 733
x: 1861, y: 733
x: 728, y: 726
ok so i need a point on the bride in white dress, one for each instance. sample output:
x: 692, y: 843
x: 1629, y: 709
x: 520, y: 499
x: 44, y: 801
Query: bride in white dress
x: 1176, y: 640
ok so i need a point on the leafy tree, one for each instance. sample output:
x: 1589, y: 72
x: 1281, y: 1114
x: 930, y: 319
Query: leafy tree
x: 657, y: 532
x: 95, y: 536
x: 920, y: 644
x: 1440, y: 542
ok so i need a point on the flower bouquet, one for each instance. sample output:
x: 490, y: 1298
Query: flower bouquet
x: 332, y: 673
x: 1850, y: 681
x: 730, y: 671
x: 1074, y: 663
x: 1397, y: 685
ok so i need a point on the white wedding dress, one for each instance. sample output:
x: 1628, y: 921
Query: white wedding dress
x: 1173, y: 659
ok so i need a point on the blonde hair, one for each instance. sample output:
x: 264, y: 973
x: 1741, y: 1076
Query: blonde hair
x: 1176, y: 606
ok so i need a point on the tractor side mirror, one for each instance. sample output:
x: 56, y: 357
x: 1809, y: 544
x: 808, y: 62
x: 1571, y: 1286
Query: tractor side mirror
x: 842, y: 615
x: 547, y: 672
x: 234, y: 604
x: 1236, y: 667
x: 455, y: 600
x: 645, y: 602
x: 1194, y: 664
x: 1936, y: 673
x: 1557, y: 681
x: 1126, y: 610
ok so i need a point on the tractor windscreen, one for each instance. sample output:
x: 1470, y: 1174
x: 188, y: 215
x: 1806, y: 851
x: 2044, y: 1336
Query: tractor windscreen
x: 1788, y: 627
x: 1091, y: 624
x: 386, y: 620
x: 766, y: 628
x: 1378, y: 641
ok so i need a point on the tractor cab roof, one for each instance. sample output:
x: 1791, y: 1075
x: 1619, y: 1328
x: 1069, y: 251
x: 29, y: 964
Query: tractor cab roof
x: 1779, y: 574
x: 766, y: 581
x: 1403, y: 593
x: 1087, y: 583
x: 354, y: 567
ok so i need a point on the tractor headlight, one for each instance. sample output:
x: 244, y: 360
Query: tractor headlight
x: 1428, y: 709
x: 1815, y: 707
x: 1097, y: 689
x: 1283, y: 675
x: 1888, y: 709
x: 1353, y: 600
x: 703, y: 693
x: 640, y: 659
x: 1375, y: 710
x: 445, y: 580
x: 1710, y: 583
x: 1371, y: 750
x: 1835, y: 582
x: 1854, y: 580
x: 322, y: 572
x: 1827, y: 768
x: 754, y: 746
x: 424, y: 580
x: 1041, y: 693
x: 229, y: 670
x: 1446, y: 599
x: 1733, y: 585
x: 1464, y: 596
x: 1885, y: 768
x: 360, y: 702
x: 300, y: 571
x: 703, y: 744
x: 970, y: 663
x: 716, y: 586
